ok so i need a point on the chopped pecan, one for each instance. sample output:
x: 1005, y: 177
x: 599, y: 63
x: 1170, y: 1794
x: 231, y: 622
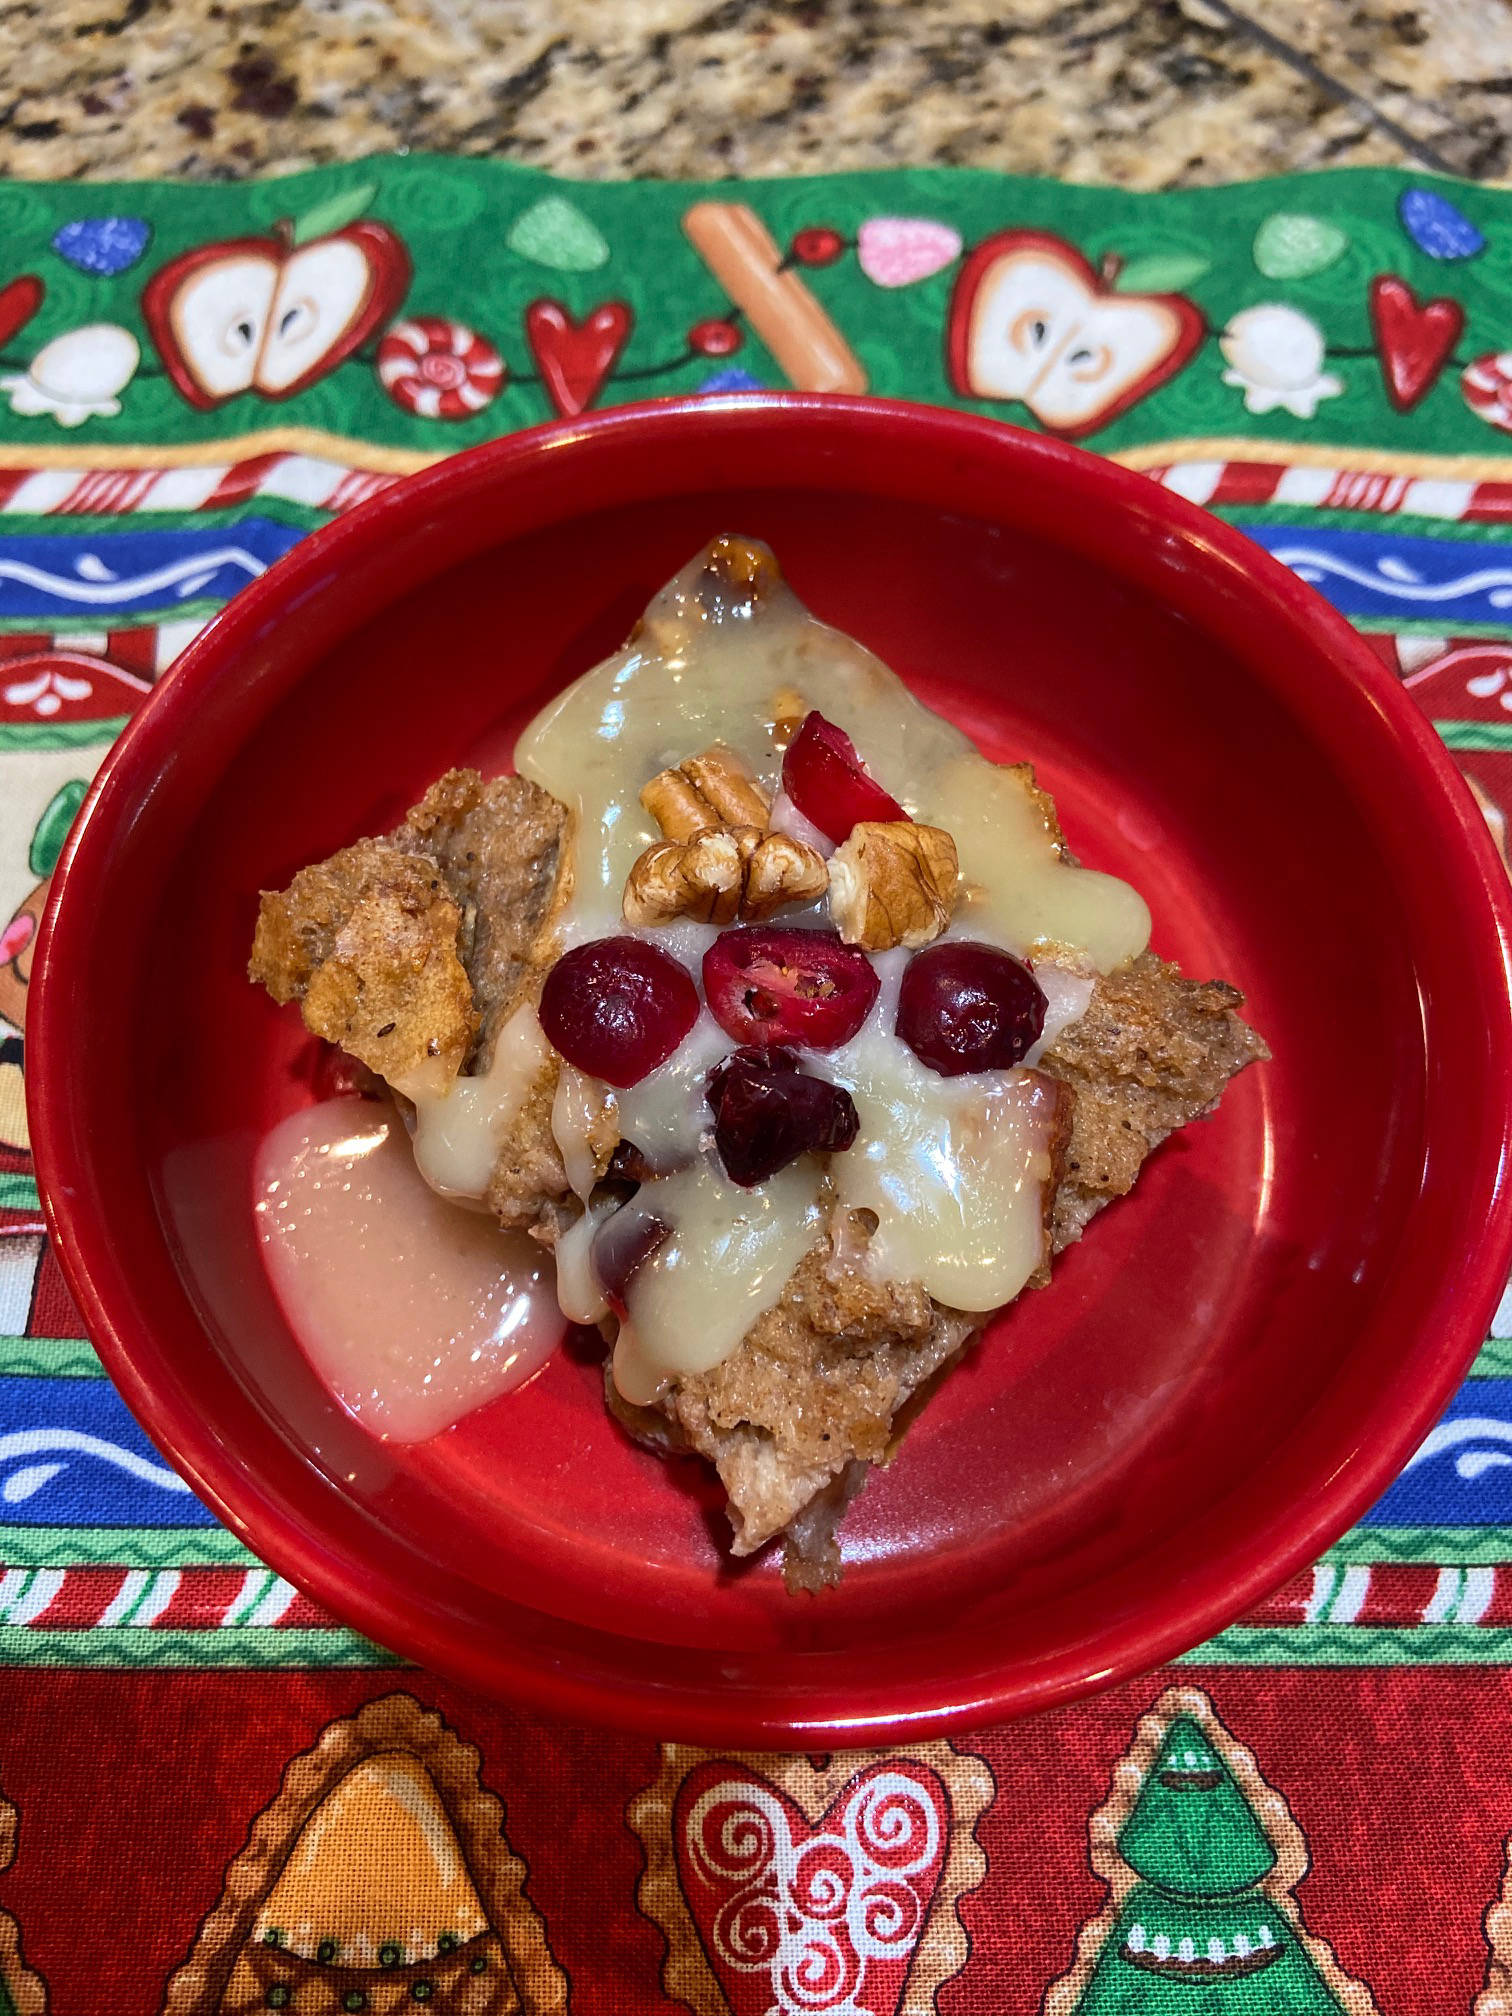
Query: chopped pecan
x: 788, y: 711
x: 722, y: 873
x: 892, y: 883
x: 782, y: 870
x: 700, y: 877
x: 715, y: 789
x: 676, y: 806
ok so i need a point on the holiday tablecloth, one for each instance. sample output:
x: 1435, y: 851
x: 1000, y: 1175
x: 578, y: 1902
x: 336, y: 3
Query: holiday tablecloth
x: 212, y: 1796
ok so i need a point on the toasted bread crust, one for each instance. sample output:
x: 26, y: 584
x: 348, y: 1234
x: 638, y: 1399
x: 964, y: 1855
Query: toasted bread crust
x: 1153, y: 1052
x: 500, y: 849
x: 420, y: 945
x: 367, y: 943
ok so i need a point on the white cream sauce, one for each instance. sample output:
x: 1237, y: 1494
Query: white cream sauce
x: 413, y: 1313
x: 953, y: 1169
x: 458, y: 1135
x: 578, y: 1292
x: 578, y: 1108
x: 726, y: 1263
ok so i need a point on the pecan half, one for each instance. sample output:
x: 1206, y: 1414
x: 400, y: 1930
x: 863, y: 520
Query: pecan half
x: 722, y: 873
x: 715, y: 789
x: 892, y: 883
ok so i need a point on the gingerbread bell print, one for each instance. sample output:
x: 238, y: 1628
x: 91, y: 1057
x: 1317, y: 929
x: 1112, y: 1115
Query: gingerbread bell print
x: 379, y: 1879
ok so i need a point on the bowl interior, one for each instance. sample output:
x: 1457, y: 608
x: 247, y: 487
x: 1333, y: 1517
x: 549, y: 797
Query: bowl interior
x: 1210, y: 1355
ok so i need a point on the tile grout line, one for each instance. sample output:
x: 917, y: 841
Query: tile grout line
x: 1303, y: 64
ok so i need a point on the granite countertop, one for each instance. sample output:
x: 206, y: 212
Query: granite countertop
x: 1146, y: 93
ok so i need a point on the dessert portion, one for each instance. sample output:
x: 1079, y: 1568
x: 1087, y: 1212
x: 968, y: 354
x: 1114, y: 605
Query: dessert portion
x: 781, y: 1015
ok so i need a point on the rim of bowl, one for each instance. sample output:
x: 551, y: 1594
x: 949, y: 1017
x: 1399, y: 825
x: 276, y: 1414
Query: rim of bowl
x: 1213, y: 1594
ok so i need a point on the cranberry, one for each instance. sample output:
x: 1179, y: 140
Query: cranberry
x: 829, y: 783
x: 617, y: 1008
x: 969, y: 1007
x: 768, y: 1112
x: 621, y: 1247
x: 769, y: 984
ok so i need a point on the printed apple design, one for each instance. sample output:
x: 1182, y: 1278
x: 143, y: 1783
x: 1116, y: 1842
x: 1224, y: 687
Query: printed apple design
x: 1030, y: 319
x: 270, y: 315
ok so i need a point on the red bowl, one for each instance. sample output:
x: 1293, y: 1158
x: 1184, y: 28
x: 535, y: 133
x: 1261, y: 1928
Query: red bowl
x: 1227, y: 1372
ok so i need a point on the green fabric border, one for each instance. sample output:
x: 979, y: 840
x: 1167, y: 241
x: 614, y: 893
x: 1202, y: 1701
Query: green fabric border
x: 1356, y: 1645
x: 18, y: 1191
x: 1475, y: 734
x: 1428, y: 626
x: 257, y: 1648
x: 49, y: 1358
x: 99, y: 525
x: 1494, y: 1360
x: 60, y: 734
x: 458, y: 215
x: 1426, y: 1546
x: 123, y: 1547
x: 125, y: 619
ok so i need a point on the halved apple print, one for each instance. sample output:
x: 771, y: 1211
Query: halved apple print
x: 1032, y: 320
x: 268, y: 316
x: 208, y: 313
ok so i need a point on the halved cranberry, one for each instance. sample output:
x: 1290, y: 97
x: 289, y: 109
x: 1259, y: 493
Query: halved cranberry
x: 829, y: 783
x: 964, y: 1007
x: 621, y: 1247
x: 768, y: 1112
x: 617, y: 1008
x: 769, y: 984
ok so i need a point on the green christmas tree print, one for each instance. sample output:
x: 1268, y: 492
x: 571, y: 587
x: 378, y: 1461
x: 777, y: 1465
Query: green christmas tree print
x: 1201, y: 1857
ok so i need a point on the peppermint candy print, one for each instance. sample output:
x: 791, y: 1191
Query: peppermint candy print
x: 438, y: 369
x: 1487, y: 386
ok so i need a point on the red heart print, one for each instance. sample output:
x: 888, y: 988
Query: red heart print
x: 798, y: 1918
x: 575, y: 358
x: 1414, y: 338
x: 19, y: 301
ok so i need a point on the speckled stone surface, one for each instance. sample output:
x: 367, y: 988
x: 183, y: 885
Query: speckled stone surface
x: 1149, y: 95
